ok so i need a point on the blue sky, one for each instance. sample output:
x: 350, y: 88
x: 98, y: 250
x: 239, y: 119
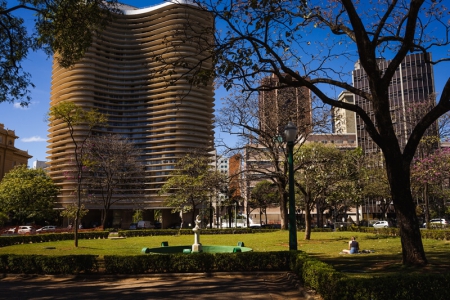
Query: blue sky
x: 29, y: 123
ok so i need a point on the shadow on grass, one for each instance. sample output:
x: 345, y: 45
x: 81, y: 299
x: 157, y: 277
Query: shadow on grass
x: 373, y: 264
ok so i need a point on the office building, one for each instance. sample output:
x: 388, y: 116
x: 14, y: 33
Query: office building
x: 410, y: 93
x: 137, y: 74
x: 344, y: 121
x: 39, y: 164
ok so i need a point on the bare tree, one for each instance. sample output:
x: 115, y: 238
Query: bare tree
x: 260, y: 127
x: 116, y: 174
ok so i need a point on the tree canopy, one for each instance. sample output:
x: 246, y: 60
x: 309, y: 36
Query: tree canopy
x: 264, y: 195
x: 64, y: 27
x: 321, y: 168
x: 28, y: 194
x: 192, y: 182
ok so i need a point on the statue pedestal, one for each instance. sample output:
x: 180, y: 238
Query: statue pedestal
x: 197, y: 246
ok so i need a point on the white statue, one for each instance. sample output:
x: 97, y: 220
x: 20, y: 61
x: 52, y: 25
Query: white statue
x: 197, y: 246
x: 197, y: 221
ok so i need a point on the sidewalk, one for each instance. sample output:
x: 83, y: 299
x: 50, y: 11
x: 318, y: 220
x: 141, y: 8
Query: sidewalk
x: 217, y: 286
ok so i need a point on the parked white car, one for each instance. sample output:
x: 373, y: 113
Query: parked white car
x: 12, y: 230
x: 47, y: 228
x: 26, y: 230
x: 381, y: 224
x: 239, y: 222
x: 436, y: 223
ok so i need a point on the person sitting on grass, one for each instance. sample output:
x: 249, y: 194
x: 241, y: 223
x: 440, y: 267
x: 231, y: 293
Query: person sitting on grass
x: 353, y: 247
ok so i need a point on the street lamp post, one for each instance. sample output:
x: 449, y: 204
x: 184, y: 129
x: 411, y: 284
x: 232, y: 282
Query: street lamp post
x: 291, y: 133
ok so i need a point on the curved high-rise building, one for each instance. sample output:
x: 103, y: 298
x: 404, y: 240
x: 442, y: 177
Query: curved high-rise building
x: 139, y: 72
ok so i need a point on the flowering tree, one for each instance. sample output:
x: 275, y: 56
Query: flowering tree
x: 431, y: 173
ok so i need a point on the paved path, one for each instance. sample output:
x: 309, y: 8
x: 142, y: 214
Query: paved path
x: 217, y: 286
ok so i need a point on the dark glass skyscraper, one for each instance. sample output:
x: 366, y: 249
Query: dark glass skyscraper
x: 411, y: 93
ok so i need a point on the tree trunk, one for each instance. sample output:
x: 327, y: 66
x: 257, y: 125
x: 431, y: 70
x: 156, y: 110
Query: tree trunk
x: 105, y: 213
x: 427, y: 205
x: 399, y: 179
x: 307, y: 217
x: 77, y: 214
x: 318, y: 209
x: 357, y: 213
x: 211, y: 213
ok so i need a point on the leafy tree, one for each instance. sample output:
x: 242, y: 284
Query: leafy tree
x: 316, y: 44
x: 264, y: 195
x: 3, y: 218
x: 64, y: 27
x: 344, y: 189
x: 376, y: 184
x: 351, y: 188
x: 115, y: 172
x: 75, y: 117
x: 138, y: 215
x: 28, y: 194
x: 192, y: 182
x: 70, y: 212
x: 319, y: 169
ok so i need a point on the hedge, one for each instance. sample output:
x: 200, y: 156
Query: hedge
x: 188, y: 231
x: 48, y: 264
x: 317, y: 275
x: 50, y: 237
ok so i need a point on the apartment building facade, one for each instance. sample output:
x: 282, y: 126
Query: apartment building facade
x: 135, y: 74
x: 10, y: 156
x: 278, y: 105
x: 344, y: 121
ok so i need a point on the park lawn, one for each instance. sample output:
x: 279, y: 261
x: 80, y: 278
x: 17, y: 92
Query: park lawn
x: 325, y: 246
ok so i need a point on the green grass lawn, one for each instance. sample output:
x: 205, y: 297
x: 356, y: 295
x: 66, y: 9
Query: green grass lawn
x: 325, y: 246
